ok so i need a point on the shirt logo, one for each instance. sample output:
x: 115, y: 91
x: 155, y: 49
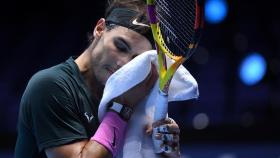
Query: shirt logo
x: 114, y: 139
x: 89, y: 116
x: 135, y: 22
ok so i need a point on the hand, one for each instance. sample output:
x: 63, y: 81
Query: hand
x: 133, y: 96
x: 167, y: 133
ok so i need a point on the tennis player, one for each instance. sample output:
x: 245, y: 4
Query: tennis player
x: 58, y: 110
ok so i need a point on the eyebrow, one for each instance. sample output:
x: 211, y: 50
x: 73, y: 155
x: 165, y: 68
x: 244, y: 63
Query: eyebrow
x: 124, y: 42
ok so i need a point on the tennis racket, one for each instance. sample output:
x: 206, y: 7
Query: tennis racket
x: 176, y: 26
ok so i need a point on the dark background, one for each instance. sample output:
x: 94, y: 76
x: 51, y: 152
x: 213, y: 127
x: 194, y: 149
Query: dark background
x: 242, y: 120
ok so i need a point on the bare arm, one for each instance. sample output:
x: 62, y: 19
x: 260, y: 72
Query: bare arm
x: 81, y: 149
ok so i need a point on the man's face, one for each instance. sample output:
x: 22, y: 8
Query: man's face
x: 114, y: 49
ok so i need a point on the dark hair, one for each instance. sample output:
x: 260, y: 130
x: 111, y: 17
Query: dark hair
x: 135, y: 5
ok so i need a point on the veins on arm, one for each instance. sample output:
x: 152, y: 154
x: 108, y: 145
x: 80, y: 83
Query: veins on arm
x: 81, y: 149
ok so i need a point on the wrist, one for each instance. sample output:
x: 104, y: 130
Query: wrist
x: 123, y: 111
x: 111, y: 132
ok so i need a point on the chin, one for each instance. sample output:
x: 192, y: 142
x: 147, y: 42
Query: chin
x: 104, y: 79
x: 104, y: 82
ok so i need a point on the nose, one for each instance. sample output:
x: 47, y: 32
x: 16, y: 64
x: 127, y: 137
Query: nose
x: 123, y: 59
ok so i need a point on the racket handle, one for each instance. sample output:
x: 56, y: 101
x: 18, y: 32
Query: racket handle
x: 161, y: 107
x: 160, y: 113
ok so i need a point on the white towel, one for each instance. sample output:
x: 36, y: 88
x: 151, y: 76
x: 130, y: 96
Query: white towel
x: 182, y: 87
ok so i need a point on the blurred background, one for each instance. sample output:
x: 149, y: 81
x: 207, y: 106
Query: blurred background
x: 237, y: 67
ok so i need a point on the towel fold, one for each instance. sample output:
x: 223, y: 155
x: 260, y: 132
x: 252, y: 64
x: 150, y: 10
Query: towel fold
x: 182, y: 87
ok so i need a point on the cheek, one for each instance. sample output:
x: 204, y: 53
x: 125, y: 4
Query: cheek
x: 99, y: 62
x: 110, y: 54
x: 100, y: 53
x: 102, y: 76
x: 105, y: 53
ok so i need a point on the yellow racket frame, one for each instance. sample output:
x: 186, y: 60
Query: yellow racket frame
x: 165, y: 75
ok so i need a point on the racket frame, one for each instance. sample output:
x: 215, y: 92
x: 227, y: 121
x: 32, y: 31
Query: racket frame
x: 165, y: 74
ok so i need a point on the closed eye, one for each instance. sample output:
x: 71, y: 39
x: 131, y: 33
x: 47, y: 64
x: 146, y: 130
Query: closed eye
x: 121, y: 45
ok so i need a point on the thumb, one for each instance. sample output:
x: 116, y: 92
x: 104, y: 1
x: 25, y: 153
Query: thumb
x: 148, y: 129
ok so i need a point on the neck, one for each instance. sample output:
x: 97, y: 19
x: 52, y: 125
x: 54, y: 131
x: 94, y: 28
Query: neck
x: 84, y: 65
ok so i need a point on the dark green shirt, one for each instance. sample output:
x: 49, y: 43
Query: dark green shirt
x: 56, y: 109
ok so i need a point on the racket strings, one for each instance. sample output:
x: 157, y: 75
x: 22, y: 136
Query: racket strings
x: 180, y: 23
x: 169, y: 30
x: 182, y: 14
x: 177, y: 20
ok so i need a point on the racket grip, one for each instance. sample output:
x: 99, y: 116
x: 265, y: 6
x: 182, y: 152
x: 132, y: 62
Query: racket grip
x: 160, y: 113
x: 161, y: 107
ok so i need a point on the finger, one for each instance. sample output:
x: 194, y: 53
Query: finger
x: 170, y: 139
x: 171, y: 152
x: 166, y: 143
x: 158, y: 136
x: 168, y: 128
x: 164, y: 135
x: 167, y: 138
x: 171, y: 145
x: 162, y: 122
x: 148, y: 129
x: 162, y: 129
x: 173, y: 128
x: 167, y: 149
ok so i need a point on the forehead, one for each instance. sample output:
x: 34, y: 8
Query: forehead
x: 135, y: 39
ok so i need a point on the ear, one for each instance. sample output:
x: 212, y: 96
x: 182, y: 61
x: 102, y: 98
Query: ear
x: 99, y: 28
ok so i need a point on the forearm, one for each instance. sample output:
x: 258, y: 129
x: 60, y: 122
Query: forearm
x: 108, y: 139
x: 111, y: 132
x: 105, y: 143
x: 81, y: 149
x: 95, y: 150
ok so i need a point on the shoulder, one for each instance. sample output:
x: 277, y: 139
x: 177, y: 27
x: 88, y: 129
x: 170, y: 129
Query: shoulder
x: 48, y: 95
x: 48, y: 78
x: 44, y: 94
x: 62, y: 76
x: 47, y: 85
x: 49, y: 74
